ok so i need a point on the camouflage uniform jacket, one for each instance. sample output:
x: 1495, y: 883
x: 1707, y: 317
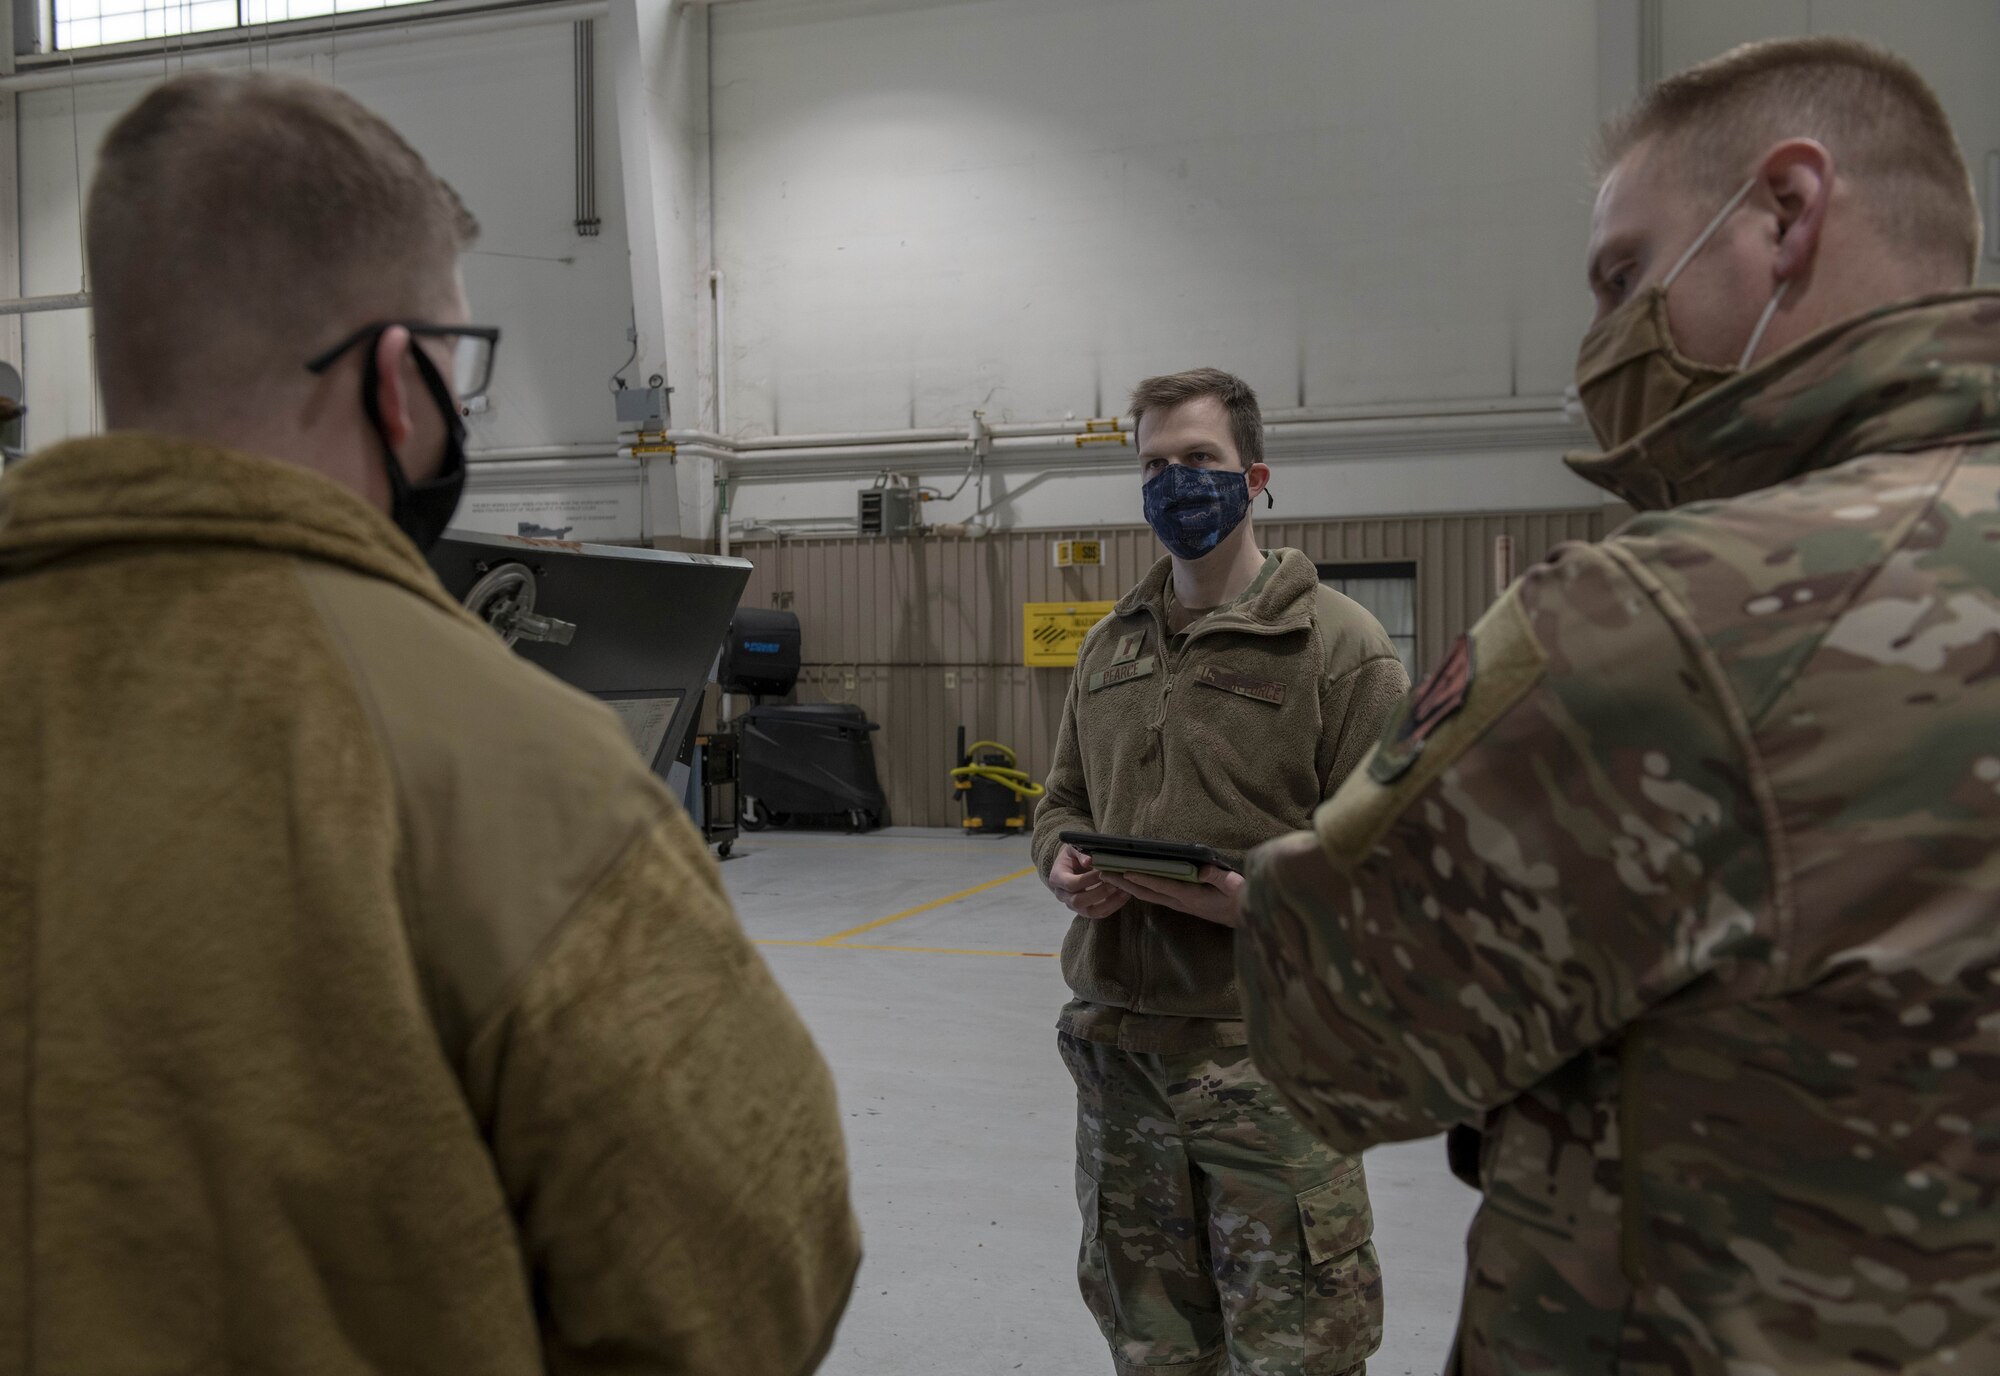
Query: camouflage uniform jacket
x: 1227, y: 735
x: 1685, y: 876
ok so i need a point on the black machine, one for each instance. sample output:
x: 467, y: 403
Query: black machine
x: 797, y: 764
x: 637, y: 628
x: 809, y: 764
x: 761, y: 655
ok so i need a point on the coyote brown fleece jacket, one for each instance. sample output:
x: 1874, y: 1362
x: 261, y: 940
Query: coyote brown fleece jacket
x: 365, y: 1004
x: 1228, y: 736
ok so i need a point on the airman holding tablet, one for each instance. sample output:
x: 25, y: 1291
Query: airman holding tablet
x: 1223, y: 699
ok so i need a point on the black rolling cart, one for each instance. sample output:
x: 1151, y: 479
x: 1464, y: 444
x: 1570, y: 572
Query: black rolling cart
x: 797, y: 764
x: 715, y: 758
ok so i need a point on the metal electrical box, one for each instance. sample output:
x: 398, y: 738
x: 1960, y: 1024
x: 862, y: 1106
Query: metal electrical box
x: 646, y: 407
x: 894, y: 512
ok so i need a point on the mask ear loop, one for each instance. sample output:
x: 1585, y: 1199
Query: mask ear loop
x: 371, y: 404
x: 1701, y: 240
x: 1757, y: 335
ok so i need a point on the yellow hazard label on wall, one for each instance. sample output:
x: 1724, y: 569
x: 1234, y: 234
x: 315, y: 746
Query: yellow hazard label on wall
x: 1071, y: 553
x: 1053, y: 632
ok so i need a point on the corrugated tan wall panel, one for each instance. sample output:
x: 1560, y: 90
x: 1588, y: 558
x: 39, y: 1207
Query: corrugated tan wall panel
x: 900, y: 615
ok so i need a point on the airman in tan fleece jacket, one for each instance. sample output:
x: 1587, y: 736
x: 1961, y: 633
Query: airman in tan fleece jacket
x: 1218, y: 1235
x: 365, y: 1004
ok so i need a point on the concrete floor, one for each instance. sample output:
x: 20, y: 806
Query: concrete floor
x: 937, y: 1009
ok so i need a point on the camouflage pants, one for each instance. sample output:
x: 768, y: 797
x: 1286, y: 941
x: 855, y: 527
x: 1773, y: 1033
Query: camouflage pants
x: 1218, y: 1236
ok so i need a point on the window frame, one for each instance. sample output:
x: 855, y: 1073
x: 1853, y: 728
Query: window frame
x: 1386, y: 570
x: 417, y: 12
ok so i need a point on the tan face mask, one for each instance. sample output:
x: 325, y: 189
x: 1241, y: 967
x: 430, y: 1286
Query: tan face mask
x: 1629, y: 375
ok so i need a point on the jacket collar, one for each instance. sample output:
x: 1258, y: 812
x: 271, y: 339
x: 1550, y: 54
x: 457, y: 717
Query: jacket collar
x: 1915, y: 373
x: 1286, y: 597
x: 131, y: 488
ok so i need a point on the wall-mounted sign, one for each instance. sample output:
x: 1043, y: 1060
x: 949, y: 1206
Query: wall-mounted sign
x: 1074, y: 553
x: 1053, y: 632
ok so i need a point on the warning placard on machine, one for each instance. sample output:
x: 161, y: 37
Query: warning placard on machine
x: 646, y: 719
x: 1053, y: 632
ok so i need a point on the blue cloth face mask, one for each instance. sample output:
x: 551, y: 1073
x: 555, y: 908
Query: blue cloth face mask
x: 1193, y: 510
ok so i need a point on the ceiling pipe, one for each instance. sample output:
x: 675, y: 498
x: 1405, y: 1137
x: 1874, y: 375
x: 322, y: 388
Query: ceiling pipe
x: 1364, y: 432
x: 542, y: 451
x: 34, y: 305
x: 883, y: 437
x: 1389, y: 434
x: 1539, y: 405
x: 887, y: 454
x: 1507, y: 414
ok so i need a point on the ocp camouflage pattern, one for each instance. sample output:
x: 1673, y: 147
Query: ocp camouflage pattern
x: 1220, y: 1239
x: 1694, y: 903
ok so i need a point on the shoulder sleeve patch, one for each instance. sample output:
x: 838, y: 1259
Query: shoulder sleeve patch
x: 1489, y: 670
x: 1434, y: 701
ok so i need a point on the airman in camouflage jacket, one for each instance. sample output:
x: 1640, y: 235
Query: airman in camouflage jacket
x: 1682, y: 877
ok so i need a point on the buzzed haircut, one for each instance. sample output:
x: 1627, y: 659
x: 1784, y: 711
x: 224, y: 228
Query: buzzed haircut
x: 241, y: 223
x: 1246, y: 419
x: 1879, y: 118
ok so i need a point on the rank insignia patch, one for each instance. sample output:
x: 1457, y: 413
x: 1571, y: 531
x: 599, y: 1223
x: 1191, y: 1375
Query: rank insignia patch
x: 1429, y: 706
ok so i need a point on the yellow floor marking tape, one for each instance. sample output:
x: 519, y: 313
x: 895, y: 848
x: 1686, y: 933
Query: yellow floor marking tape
x: 838, y: 937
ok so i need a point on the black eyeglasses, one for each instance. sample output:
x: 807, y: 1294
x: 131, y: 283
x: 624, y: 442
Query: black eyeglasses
x: 471, y: 352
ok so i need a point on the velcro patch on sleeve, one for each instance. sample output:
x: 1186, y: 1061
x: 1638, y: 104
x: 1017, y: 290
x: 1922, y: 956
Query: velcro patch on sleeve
x: 1428, y: 706
x: 1121, y: 673
x: 1243, y: 685
x: 1482, y: 679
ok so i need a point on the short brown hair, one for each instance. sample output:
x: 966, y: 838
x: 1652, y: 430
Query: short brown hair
x: 241, y: 223
x: 1871, y: 109
x: 1246, y: 420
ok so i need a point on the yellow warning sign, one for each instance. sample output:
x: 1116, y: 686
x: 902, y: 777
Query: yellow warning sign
x: 1071, y: 553
x: 1053, y: 632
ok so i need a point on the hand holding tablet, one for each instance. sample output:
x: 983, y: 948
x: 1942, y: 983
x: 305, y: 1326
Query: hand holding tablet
x: 1136, y: 855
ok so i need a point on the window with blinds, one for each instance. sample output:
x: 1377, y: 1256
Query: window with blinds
x: 95, y: 23
x: 1389, y: 592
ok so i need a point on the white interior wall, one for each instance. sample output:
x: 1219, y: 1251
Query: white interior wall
x: 1024, y: 206
x: 925, y: 207
x: 494, y: 114
x: 1028, y: 205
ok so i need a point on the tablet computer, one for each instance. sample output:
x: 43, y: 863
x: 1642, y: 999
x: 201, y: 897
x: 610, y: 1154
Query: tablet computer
x: 1136, y: 855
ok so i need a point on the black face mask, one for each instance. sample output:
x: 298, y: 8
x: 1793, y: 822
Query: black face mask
x: 422, y: 510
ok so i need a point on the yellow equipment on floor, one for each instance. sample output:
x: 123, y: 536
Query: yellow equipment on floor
x: 996, y: 793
